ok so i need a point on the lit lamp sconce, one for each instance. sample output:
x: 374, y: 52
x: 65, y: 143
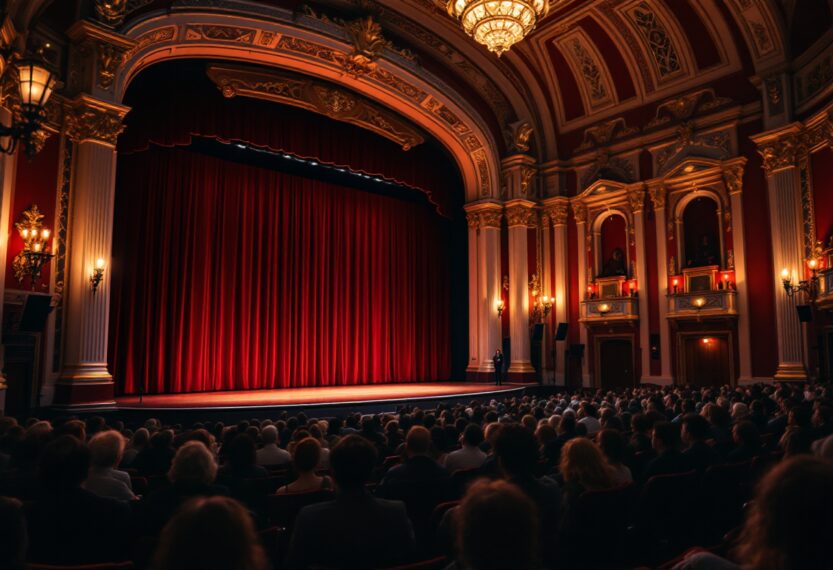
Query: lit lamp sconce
x: 726, y: 283
x: 546, y: 305
x: 632, y: 287
x: 500, y: 306
x: 589, y: 291
x: 808, y: 286
x: 35, y: 83
x: 97, y: 274
x: 29, y: 263
x: 676, y: 283
x: 603, y: 308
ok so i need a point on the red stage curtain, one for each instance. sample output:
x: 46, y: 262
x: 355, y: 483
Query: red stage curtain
x: 199, y: 109
x: 228, y: 276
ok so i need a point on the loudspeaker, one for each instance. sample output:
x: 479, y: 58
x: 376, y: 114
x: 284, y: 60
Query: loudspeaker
x: 561, y: 332
x: 35, y: 312
x: 805, y: 313
x: 577, y: 351
x: 538, y: 332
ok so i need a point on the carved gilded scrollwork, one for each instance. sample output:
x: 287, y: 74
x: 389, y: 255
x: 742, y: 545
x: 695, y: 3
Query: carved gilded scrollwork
x: 110, y: 12
x: 368, y: 43
x: 89, y: 119
x: 527, y: 177
x: 316, y: 96
x: 636, y: 199
x: 733, y: 177
x: 658, y: 195
x: 580, y: 212
x: 519, y: 135
x: 558, y: 213
x: 473, y: 220
x: 490, y: 218
x: 521, y: 215
x: 780, y: 153
x: 108, y: 59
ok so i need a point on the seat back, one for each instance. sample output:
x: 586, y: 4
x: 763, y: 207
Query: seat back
x: 103, y: 566
x: 283, y: 509
x: 670, y: 512
x: 598, y: 514
x: 437, y: 563
x: 460, y: 481
x: 724, y: 494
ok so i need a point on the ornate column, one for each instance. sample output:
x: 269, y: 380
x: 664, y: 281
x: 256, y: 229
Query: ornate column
x: 580, y: 214
x: 733, y: 177
x: 8, y: 168
x: 484, y: 288
x: 93, y: 125
x: 636, y: 201
x: 521, y: 216
x: 546, y: 288
x: 657, y: 193
x: 556, y: 211
x: 780, y: 150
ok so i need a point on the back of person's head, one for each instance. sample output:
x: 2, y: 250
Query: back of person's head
x: 214, y: 533
x: 162, y: 439
x: 352, y: 460
x: 696, y: 428
x: 473, y: 435
x: 746, y: 433
x: 13, y: 539
x: 497, y: 528
x: 582, y: 462
x: 667, y: 435
x: 269, y: 435
x: 791, y: 518
x: 516, y: 450
x: 567, y: 424
x: 796, y: 441
x: 241, y: 452
x: 64, y: 464
x: 193, y: 464
x: 418, y: 441
x: 140, y: 438
x: 613, y: 445
x: 75, y: 428
x: 106, y: 449
x: 306, y: 455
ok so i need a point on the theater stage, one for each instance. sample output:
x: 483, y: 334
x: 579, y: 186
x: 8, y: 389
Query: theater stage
x: 375, y: 397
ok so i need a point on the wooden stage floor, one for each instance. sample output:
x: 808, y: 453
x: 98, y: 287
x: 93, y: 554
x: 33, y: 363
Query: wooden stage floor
x: 321, y: 396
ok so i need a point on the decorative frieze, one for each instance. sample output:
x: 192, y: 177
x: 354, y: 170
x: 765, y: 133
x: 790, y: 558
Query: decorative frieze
x: 90, y: 119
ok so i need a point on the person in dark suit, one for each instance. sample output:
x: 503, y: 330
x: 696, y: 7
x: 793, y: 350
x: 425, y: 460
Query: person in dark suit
x: 695, y: 433
x: 356, y: 530
x: 497, y: 359
x: 68, y: 524
x: 666, y: 442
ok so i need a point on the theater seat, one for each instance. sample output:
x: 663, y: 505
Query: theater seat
x: 437, y: 563
x: 283, y: 509
x: 104, y: 566
x: 724, y: 494
x: 598, y: 514
x: 669, y: 515
x: 461, y: 479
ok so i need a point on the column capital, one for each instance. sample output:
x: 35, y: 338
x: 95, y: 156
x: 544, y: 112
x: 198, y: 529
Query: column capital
x: 781, y: 148
x: 88, y: 118
x: 556, y: 209
x: 483, y: 215
x: 733, y: 177
x: 636, y: 199
x: 658, y: 193
x: 521, y: 213
x: 579, y: 212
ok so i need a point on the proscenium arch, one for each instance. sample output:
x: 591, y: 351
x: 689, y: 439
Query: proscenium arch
x: 426, y: 102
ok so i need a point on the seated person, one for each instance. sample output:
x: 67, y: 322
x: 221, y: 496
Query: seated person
x: 106, y: 449
x: 469, y: 456
x: 270, y: 454
x: 747, y: 442
x: 669, y: 460
x: 214, y: 533
x: 695, y: 433
x: 418, y: 466
x: 192, y: 474
x: 13, y: 540
x: 306, y: 455
x: 615, y: 265
x: 497, y: 527
x: 68, y: 524
x: 356, y: 530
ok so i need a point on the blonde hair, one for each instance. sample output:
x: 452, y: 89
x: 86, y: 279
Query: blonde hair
x: 106, y: 448
x: 582, y: 462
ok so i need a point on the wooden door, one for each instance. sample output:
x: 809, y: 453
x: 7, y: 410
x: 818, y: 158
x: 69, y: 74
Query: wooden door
x: 707, y: 361
x: 615, y: 363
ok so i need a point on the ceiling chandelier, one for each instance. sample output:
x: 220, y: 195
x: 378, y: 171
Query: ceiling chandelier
x: 498, y: 24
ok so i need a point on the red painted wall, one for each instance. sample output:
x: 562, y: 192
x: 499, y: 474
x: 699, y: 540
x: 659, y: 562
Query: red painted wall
x: 36, y: 183
x: 821, y: 166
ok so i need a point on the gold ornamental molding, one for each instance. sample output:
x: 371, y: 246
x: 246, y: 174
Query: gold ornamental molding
x: 636, y: 199
x: 658, y: 194
x: 521, y: 214
x: 317, y: 96
x: 556, y: 211
x: 106, y: 49
x: 88, y: 119
x: 580, y: 212
x: 484, y: 215
x: 784, y: 148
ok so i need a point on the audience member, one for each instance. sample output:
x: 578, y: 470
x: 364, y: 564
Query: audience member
x: 106, y: 449
x: 469, y: 456
x: 305, y: 459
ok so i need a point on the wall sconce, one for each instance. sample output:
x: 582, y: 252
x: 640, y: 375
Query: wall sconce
x: 699, y: 303
x: 35, y: 255
x: 542, y: 307
x: 603, y: 308
x: 500, y: 306
x: 632, y: 287
x: 35, y: 83
x: 97, y: 274
x: 808, y: 286
x: 676, y: 283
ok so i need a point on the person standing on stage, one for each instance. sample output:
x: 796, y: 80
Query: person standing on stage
x: 498, y: 360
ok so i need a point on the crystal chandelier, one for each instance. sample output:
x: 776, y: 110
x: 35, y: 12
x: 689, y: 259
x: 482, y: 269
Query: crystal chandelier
x: 498, y: 24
